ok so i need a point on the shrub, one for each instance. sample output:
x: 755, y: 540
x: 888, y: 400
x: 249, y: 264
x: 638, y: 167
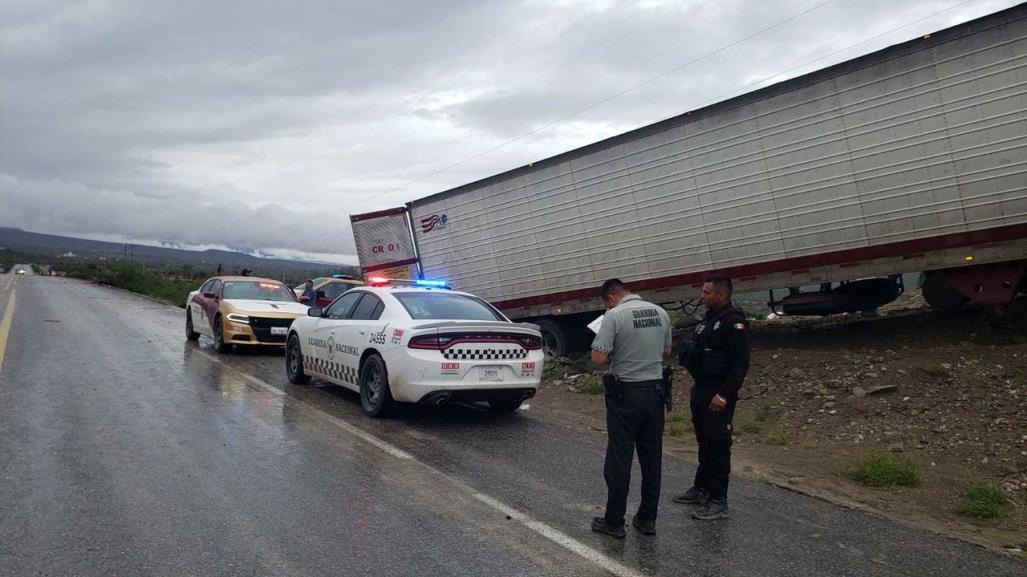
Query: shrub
x: 983, y: 500
x: 778, y: 437
x: 885, y: 471
x: 590, y: 385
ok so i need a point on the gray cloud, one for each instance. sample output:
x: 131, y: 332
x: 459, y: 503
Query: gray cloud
x: 223, y: 123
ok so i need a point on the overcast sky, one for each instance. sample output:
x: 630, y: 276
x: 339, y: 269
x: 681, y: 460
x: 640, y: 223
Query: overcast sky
x: 229, y: 123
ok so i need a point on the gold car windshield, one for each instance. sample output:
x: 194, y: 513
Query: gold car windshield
x: 257, y: 290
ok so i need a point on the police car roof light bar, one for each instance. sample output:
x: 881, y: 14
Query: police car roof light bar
x: 424, y: 283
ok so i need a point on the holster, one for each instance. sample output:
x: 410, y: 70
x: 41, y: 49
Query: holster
x: 668, y: 384
x: 611, y: 386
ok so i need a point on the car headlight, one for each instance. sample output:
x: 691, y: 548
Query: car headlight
x: 237, y: 318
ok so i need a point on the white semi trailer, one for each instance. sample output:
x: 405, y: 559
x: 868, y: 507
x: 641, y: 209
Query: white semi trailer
x: 910, y: 159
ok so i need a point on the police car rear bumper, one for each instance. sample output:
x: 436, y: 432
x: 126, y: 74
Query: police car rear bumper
x: 473, y: 395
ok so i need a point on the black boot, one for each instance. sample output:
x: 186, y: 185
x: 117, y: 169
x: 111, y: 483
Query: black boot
x: 714, y: 508
x: 693, y: 496
x: 644, y: 527
x: 599, y: 525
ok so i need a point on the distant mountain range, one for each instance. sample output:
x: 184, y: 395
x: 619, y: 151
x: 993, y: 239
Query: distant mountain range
x: 36, y: 243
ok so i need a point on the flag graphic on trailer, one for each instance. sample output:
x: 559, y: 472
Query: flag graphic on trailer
x: 433, y: 222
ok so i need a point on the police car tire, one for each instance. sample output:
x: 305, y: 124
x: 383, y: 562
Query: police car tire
x: 297, y: 376
x: 504, y: 406
x: 190, y: 334
x: 385, y: 405
x: 219, y: 337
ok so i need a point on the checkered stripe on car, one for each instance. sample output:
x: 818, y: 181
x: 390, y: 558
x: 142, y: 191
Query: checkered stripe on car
x: 460, y: 354
x: 339, y: 371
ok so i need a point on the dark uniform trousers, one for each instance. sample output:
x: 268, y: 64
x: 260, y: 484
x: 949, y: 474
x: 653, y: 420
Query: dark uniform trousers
x: 634, y: 419
x: 713, y: 435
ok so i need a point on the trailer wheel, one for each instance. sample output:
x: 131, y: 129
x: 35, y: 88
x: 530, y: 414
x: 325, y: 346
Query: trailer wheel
x: 557, y: 338
x: 941, y: 295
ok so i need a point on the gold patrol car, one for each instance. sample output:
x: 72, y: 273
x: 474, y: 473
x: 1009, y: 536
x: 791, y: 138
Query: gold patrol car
x: 241, y: 310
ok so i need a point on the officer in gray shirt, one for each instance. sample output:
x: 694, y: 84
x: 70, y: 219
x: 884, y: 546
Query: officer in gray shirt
x: 635, y: 339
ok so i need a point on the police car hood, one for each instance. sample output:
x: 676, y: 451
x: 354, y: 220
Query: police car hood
x: 258, y: 307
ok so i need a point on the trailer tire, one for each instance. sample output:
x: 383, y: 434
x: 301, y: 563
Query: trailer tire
x: 557, y: 338
x: 941, y: 295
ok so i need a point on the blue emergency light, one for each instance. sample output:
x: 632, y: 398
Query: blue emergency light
x: 431, y: 283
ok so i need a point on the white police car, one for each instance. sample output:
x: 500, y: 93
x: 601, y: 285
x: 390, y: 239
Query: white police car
x: 416, y: 342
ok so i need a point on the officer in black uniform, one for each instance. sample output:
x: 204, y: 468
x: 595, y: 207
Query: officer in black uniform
x: 717, y: 356
x: 635, y: 338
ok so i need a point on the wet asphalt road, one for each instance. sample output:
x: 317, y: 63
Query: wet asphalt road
x: 126, y: 450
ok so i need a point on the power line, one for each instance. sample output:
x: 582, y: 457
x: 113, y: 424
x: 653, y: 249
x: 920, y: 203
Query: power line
x: 555, y: 122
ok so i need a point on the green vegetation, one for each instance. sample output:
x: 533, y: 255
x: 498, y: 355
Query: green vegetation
x: 763, y: 411
x: 751, y: 426
x: 778, y: 437
x: 755, y: 424
x: 136, y: 277
x: 884, y: 471
x: 984, y: 500
x: 590, y: 385
x: 678, y: 423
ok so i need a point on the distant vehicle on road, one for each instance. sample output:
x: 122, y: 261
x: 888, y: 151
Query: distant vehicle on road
x: 20, y: 271
x: 825, y: 188
x: 328, y: 289
x: 416, y: 342
x: 236, y: 310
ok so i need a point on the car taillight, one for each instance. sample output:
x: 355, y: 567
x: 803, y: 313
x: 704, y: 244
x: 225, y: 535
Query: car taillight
x: 531, y: 343
x: 430, y: 342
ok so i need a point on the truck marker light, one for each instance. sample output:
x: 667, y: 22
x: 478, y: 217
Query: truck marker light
x: 969, y: 258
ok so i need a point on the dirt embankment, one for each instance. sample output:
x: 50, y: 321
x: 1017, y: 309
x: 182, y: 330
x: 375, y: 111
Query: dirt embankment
x: 948, y: 392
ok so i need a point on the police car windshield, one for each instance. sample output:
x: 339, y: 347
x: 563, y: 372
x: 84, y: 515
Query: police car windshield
x: 258, y: 290
x: 448, y: 306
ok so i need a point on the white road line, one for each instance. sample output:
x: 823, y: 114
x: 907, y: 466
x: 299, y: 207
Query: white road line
x: 10, y: 281
x: 555, y: 535
x: 5, y: 328
x: 560, y: 538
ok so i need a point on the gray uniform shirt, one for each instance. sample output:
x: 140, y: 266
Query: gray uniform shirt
x: 634, y: 334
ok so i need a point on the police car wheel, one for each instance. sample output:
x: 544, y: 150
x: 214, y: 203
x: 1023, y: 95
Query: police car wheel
x: 503, y: 406
x: 219, y: 337
x: 190, y: 334
x: 375, y: 396
x: 294, y: 362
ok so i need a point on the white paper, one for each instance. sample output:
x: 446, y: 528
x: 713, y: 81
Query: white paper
x: 594, y: 325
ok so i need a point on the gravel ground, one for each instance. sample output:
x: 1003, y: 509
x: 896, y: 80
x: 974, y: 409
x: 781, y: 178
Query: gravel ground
x: 948, y: 392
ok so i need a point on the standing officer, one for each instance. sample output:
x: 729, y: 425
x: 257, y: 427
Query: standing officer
x: 635, y: 339
x: 717, y: 356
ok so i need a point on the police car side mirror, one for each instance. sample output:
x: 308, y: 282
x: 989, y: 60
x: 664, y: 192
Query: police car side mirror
x: 209, y: 295
x: 313, y: 312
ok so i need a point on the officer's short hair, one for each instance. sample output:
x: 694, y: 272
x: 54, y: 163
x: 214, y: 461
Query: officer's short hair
x: 612, y: 287
x: 721, y: 282
x: 311, y: 281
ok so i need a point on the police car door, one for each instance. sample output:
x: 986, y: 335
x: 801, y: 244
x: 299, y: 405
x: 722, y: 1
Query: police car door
x: 362, y: 331
x: 324, y: 341
x: 198, y: 311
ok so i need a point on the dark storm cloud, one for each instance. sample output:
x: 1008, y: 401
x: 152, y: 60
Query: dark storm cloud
x: 223, y: 123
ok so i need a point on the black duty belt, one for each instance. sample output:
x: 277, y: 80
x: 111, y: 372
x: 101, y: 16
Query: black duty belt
x: 640, y: 384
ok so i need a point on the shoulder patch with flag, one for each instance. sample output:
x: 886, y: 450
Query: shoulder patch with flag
x: 740, y: 326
